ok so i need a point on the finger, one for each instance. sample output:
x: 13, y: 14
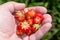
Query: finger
x: 32, y: 37
x: 13, y: 6
x: 43, y: 30
x: 39, y: 9
x: 47, y: 19
x: 15, y: 37
x: 25, y: 37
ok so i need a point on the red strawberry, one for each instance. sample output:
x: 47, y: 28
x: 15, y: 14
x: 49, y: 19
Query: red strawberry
x: 30, y: 14
x: 30, y: 21
x: 19, y: 32
x: 23, y: 26
x: 35, y: 28
x: 40, y: 15
x: 19, y: 25
x: 20, y: 16
x: 28, y: 31
x: 38, y: 18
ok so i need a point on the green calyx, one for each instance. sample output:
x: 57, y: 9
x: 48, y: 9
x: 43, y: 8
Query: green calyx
x: 37, y: 26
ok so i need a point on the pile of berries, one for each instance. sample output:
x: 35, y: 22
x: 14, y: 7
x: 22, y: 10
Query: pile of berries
x: 28, y: 22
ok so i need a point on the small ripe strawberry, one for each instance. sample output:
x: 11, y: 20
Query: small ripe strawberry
x: 35, y: 28
x: 26, y: 27
x: 19, y: 32
x: 28, y: 31
x: 23, y: 26
x: 19, y: 26
x: 20, y: 16
x: 40, y: 15
x: 30, y: 22
x: 30, y: 14
x: 38, y: 19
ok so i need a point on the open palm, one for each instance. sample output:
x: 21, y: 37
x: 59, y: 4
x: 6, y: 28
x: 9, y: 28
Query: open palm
x: 8, y: 24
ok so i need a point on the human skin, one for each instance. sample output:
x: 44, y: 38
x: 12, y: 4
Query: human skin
x: 8, y: 24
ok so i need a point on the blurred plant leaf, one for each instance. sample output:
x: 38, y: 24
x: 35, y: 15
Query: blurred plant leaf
x: 33, y: 1
x: 58, y: 20
x: 58, y: 6
x: 3, y: 1
x: 26, y: 2
x: 46, y: 4
x: 36, y: 4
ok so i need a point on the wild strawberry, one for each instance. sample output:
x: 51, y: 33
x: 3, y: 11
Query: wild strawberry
x: 19, y: 32
x: 19, y: 27
x: 35, y: 27
x: 25, y: 25
x: 30, y: 22
x: 40, y: 15
x: 30, y: 14
x: 28, y: 31
x: 38, y: 19
x: 20, y: 16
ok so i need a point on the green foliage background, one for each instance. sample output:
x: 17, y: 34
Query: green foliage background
x: 53, y: 7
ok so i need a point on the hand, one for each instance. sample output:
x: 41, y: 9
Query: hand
x: 8, y: 25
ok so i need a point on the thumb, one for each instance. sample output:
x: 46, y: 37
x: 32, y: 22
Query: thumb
x: 13, y: 6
